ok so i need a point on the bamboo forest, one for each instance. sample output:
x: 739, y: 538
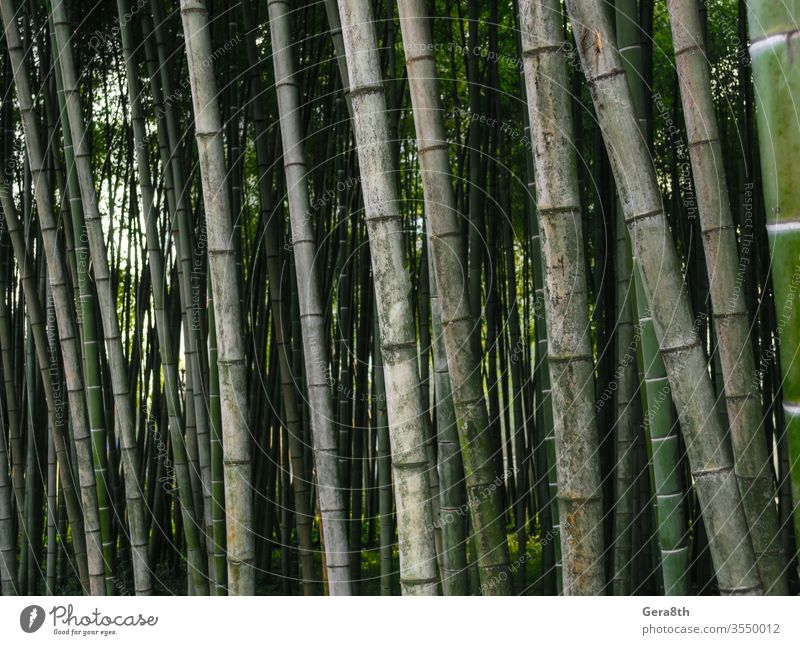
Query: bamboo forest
x: 425, y: 297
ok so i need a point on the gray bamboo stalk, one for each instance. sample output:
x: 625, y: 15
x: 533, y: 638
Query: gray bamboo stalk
x: 170, y: 148
x: 166, y: 127
x: 158, y: 281
x: 335, y: 30
x: 418, y: 566
x: 227, y: 311
x: 279, y: 306
x: 310, y: 303
x: 710, y: 454
x: 61, y: 297
x: 93, y: 571
x: 544, y: 440
x: 118, y: 366
x: 729, y: 309
x: 457, y: 320
x: 87, y: 324
x: 566, y: 308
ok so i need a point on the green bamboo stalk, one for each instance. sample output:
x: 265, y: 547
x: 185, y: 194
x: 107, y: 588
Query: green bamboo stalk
x: 659, y: 418
x: 384, y: 465
x: 662, y: 432
x: 776, y: 76
x: 452, y: 519
x: 216, y: 456
x: 52, y: 515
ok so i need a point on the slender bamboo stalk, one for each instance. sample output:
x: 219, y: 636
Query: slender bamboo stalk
x: 90, y: 340
x: 453, y: 492
x: 392, y: 289
x: 107, y: 301
x: 458, y: 322
x: 8, y: 552
x: 56, y: 275
x: 170, y: 137
x: 164, y: 318
x: 222, y: 264
x: 543, y: 438
x: 310, y: 301
x: 626, y: 351
x: 216, y: 456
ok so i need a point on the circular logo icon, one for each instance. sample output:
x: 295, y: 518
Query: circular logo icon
x: 31, y: 618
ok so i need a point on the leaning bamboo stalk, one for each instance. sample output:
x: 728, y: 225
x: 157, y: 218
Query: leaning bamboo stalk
x: 56, y: 275
x: 227, y: 312
x: 52, y: 390
x: 457, y: 320
x: 107, y: 299
x: 418, y: 567
x: 170, y: 148
x: 165, y: 128
x: 182, y: 229
x: 728, y: 306
x: 659, y: 418
x: 709, y: 452
x: 316, y: 358
x: 162, y: 318
x: 91, y: 355
x: 278, y: 303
